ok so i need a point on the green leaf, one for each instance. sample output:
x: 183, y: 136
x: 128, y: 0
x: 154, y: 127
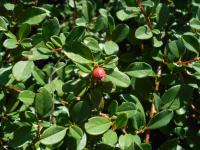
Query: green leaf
x: 161, y: 119
x: 174, y: 97
x: 112, y: 108
x: 26, y: 43
x: 56, y: 40
x: 110, y: 137
x: 22, y: 136
x: 97, y: 125
x: 146, y: 146
x: 143, y: 33
x: 92, y: 44
x: 4, y: 74
x: 120, y: 33
x: 126, y: 14
x: 127, y: 107
x: 50, y: 28
x: 34, y: 15
x: 135, y: 100
x: 87, y: 9
x: 27, y: 97
x: 9, y: 6
x: 170, y: 144
x: 37, y: 54
x: 43, y: 102
x: 3, y: 24
x: 53, y: 135
x: 139, y: 70
x: 195, y: 23
x: 138, y: 120
x: 10, y: 43
x: 78, y: 52
x: 24, y: 30
x: 57, y: 85
x: 157, y: 42
x: 122, y: 120
x: 76, y: 34
x: 111, y: 47
x: 190, y: 42
x: 38, y: 75
x: 80, y: 111
x: 22, y: 70
x: 162, y: 12
x: 118, y: 78
x: 77, y: 133
x: 126, y: 142
x: 176, y: 48
x: 74, y: 86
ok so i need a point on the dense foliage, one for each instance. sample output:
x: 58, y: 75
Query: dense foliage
x: 50, y: 97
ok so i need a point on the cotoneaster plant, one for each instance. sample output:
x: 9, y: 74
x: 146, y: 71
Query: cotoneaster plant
x: 143, y: 94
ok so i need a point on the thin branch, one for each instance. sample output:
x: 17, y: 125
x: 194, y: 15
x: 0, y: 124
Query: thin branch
x: 75, y: 15
x: 148, y: 21
x: 153, y: 108
x: 10, y: 89
x: 188, y: 61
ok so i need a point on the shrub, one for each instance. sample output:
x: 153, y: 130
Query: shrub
x: 94, y: 74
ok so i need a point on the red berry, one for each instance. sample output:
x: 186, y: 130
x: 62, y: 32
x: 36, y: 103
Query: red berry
x: 99, y: 73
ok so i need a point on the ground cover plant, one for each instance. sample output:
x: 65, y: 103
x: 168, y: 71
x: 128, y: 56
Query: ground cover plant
x: 99, y: 74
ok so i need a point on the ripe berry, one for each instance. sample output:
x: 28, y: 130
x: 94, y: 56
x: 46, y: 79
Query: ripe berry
x: 99, y: 73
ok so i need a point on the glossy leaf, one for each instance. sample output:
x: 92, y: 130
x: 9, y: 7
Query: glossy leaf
x: 97, y: 125
x: 10, y: 43
x: 3, y: 24
x: 118, y: 78
x: 143, y: 33
x: 43, y: 102
x: 53, y: 135
x: 111, y: 47
x: 190, y: 42
x: 110, y: 137
x: 120, y: 33
x: 78, y: 52
x: 27, y: 97
x: 174, y: 97
x: 34, y: 15
x: 22, y: 70
x: 139, y: 70
x: 161, y: 119
x: 50, y: 28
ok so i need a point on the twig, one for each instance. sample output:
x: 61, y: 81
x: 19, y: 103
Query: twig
x: 10, y: 89
x: 141, y: 6
x: 57, y: 49
x: 75, y: 15
x: 188, y: 61
x: 153, y: 109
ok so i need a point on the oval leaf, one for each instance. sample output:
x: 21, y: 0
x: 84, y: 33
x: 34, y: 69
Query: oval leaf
x: 43, y: 102
x: 27, y: 97
x: 97, y: 125
x: 143, y: 33
x: 139, y: 70
x: 110, y: 137
x: 161, y: 119
x: 120, y: 33
x: 78, y: 52
x: 53, y: 135
x: 118, y: 78
x: 22, y: 70
x: 191, y: 42
x: 111, y: 47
